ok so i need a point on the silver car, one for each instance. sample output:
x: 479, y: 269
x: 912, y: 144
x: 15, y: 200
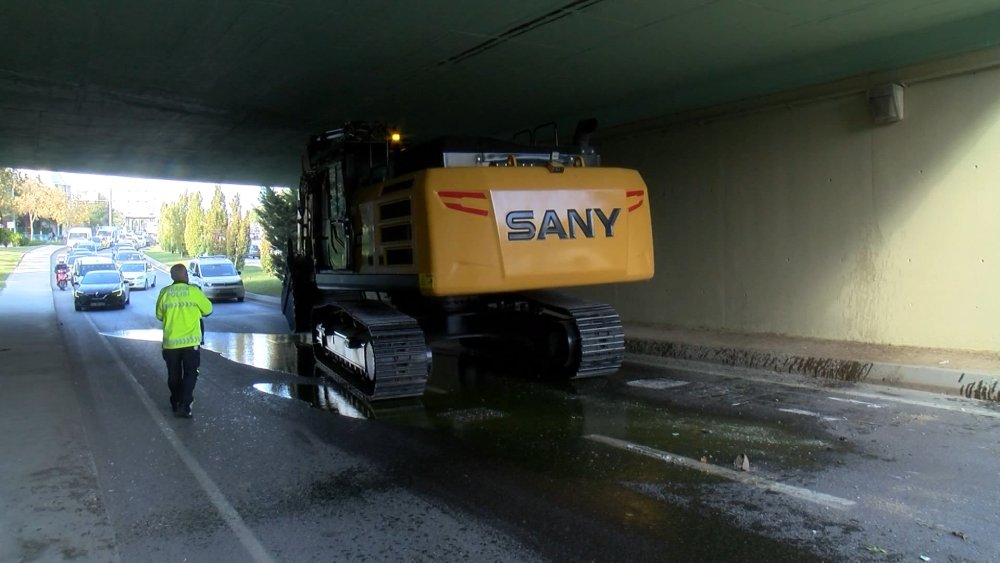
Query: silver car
x: 217, y: 277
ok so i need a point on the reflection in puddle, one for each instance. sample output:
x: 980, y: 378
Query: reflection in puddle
x: 326, y: 394
x: 267, y: 351
x: 320, y: 396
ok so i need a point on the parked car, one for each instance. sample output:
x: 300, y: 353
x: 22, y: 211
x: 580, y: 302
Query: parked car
x: 138, y: 274
x: 86, y: 264
x: 253, y: 252
x: 217, y: 277
x: 101, y: 288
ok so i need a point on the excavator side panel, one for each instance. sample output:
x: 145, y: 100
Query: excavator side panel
x: 504, y: 229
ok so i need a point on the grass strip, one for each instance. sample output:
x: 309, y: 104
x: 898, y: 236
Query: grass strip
x: 260, y: 282
x: 10, y: 257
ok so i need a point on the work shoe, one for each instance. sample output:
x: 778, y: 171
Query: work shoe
x: 185, y: 412
x: 174, y: 407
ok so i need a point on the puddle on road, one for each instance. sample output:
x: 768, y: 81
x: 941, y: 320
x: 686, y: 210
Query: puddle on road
x: 468, y: 395
x: 486, y: 401
x: 267, y: 351
x: 497, y: 413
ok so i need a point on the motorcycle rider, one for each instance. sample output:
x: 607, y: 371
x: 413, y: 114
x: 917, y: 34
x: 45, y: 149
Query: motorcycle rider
x: 61, y: 267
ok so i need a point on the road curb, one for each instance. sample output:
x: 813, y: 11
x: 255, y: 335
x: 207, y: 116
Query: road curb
x: 964, y: 383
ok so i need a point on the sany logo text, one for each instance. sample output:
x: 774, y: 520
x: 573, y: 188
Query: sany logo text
x: 576, y: 224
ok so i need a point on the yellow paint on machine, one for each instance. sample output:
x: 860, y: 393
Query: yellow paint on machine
x: 499, y: 229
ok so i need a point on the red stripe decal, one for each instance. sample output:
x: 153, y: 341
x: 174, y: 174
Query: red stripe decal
x: 460, y: 207
x: 463, y: 195
x: 476, y: 195
x: 635, y: 193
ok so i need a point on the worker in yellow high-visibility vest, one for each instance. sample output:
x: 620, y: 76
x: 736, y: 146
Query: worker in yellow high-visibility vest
x: 181, y: 307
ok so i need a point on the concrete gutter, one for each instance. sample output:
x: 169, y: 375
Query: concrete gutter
x: 980, y: 383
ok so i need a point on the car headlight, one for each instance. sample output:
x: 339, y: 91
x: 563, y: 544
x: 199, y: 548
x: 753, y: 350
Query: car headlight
x: 119, y: 292
x: 77, y: 294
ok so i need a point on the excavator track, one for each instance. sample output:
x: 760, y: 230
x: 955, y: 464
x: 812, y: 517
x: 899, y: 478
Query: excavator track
x: 599, y: 340
x: 382, y: 352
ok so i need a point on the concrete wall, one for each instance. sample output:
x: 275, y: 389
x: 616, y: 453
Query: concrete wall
x: 806, y: 219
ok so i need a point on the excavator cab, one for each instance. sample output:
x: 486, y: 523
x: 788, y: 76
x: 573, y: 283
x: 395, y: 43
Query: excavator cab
x: 337, y: 163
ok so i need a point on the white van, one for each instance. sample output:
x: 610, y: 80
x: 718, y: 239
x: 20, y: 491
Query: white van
x: 77, y: 235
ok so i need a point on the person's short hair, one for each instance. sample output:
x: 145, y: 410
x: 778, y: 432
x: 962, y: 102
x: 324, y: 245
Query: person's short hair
x: 178, y: 272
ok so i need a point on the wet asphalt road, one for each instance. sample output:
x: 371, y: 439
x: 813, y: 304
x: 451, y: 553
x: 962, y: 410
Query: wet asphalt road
x: 282, y: 464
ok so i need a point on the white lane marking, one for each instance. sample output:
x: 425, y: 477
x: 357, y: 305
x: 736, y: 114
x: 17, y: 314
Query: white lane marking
x: 657, y: 383
x: 713, y: 369
x: 857, y: 402
x: 810, y: 413
x: 731, y: 474
x: 222, y: 505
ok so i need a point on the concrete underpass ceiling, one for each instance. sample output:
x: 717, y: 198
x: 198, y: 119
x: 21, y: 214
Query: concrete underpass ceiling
x: 228, y: 91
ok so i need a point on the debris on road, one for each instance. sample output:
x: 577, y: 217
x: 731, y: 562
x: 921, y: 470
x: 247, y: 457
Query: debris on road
x: 742, y: 462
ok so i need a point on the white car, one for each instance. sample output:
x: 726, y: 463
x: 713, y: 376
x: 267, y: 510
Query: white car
x: 217, y: 277
x: 138, y: 274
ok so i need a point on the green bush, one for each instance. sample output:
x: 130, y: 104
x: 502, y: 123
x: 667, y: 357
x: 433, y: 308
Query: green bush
x: 10, y: 238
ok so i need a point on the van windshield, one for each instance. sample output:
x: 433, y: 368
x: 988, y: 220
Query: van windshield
x: 216, y: 270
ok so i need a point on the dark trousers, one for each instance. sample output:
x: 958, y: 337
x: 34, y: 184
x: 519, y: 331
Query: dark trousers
x: 182, y: 374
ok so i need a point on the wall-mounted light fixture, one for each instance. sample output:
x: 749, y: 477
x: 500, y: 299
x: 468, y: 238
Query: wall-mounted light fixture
x: 886, y: 103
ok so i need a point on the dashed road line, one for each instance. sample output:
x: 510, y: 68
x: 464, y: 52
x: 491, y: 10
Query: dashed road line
x: 801, y: 493
x: 226, y: 510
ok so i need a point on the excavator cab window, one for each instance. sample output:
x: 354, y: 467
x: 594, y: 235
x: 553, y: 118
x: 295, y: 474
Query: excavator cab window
x: 343, y: 166
x: 338, y: 223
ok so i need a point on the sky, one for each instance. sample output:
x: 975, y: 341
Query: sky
x: 123, y: 188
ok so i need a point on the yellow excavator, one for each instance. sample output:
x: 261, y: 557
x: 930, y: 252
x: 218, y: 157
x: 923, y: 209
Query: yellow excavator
x: 399, y: 247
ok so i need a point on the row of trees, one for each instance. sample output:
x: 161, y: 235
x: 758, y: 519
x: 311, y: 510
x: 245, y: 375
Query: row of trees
x: 187, y: 228
x: 27, y: 197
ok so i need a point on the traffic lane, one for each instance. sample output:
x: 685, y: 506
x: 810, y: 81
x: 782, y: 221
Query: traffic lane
x: 226, y: 317
x: 234, y: 317
x: 287, y: 477
x: 458, y: 485
x: 913, y: 462
x: 823, y: 464
x: 737, y: 416
x: 297, y: 489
